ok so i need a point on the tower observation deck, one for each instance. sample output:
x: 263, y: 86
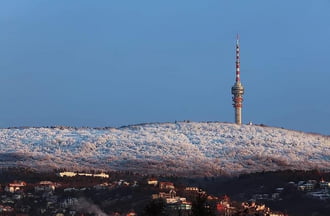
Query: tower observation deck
x: 238, y: 90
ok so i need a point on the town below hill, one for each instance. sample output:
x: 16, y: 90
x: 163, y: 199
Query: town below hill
x: 26, y: 192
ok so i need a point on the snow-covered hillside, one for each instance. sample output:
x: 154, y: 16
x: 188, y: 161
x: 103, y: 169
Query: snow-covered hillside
x: 166, y: 148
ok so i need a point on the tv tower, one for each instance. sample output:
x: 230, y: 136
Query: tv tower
x: 237, y: 90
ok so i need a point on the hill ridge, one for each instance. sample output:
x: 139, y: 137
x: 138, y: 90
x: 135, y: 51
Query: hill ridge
x: 181, y: 148
x: 153, y: 123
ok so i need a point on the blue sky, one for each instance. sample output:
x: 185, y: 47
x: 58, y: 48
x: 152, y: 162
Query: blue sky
x: 113, y: 63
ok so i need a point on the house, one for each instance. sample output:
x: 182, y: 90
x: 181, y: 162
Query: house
x: 135, y: 184
x: 101, y: 175
x: 185, y: 205
x: 85, y: 174
x: 72, y: 174
x: 171, y: 198
x: 131, y: 213
x: 321, y: 195
x: 260, y: 207
x: 309, y: 186
x: 67, y: 174
x: 193, y: 189
x: 166, y: 185
x: 170, y: 194
x: 152, y: 181
x: 7, y: 209
x: 122, y: 182
x: 301, y: 188
x: 15, y: 186
x: 68, y: 202
x: 211, y: 197
x: 70, y: 189
x: 324, y: 184
x: 102, y: 186
x: 174, y: 200
x: 45, y: 186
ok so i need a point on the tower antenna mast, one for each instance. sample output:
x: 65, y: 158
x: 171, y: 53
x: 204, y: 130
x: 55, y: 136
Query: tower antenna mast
x: 238, y: 90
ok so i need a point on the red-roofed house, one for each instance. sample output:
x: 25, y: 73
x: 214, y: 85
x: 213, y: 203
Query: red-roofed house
x: 15, y: 186
x: 166, y: 185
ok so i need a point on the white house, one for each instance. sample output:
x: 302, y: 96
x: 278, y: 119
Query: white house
x: 153, y: 182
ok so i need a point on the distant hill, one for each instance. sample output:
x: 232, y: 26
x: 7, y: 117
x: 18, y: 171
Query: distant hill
x: 183, y: 148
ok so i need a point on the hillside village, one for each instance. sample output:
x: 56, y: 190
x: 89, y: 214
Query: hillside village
x: 91, y: 193
x: 77, y: 193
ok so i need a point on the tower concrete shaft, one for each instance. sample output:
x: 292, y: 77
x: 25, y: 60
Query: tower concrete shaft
x: 238, y: 90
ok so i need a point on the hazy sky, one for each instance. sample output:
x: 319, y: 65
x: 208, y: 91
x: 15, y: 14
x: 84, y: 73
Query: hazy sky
x: 113, y: 63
